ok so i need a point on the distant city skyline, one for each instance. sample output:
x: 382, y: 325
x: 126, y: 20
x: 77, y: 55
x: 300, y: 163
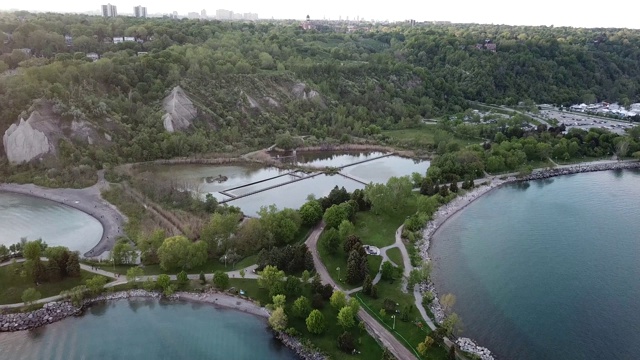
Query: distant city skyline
x: 588, y: 13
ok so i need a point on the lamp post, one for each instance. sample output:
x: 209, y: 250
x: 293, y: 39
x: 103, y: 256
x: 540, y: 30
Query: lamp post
x: 338, y: 268
x: 394, y: 321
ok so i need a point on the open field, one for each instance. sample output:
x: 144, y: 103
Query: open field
x: 13, y: 284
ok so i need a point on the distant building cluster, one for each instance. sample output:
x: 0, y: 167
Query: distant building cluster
x: 605, y: 108
x: 140, y: 11
x: 109, y: 10
x: 222, y: 14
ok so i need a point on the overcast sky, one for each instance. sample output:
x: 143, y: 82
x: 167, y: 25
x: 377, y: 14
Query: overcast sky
x: 586, y: 13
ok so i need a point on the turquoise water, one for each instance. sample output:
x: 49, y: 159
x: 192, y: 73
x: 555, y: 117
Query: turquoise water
x: 148, y: 329
x: 548, y: 269
x: 57, y: 224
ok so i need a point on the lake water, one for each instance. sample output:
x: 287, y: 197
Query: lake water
x: 148, y: 329
x: 57, y: 224
x: 291, y: 195
x: 548, y: 269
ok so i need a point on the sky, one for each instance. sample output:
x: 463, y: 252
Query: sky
x: 586, y: 13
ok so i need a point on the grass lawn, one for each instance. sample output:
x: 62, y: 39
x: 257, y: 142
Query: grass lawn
x: 13, y: 284
x: 212, y: 265
x: 339, y: 260
x: 408, y: 332
x: 423, y: 136
x: 396, y: 256
x: 380, y: 230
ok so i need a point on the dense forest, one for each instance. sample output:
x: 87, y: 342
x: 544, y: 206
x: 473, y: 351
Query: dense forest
x: 376, y: 77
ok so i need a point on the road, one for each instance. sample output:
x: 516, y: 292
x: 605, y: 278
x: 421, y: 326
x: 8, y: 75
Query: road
x: 377, y: 329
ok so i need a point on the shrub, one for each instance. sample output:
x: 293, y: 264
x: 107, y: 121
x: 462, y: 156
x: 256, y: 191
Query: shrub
x: 346, y: 342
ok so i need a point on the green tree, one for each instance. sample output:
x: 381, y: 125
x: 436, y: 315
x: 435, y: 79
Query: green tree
x: 424, y: 346
x: 450, y: 323
x: 221, y: 280
x: 366, y: 286
x: 346, y: 342
x: 315, y: 322
x: 279, y: 301
x: 32, y: 251
x: 269, y: 278
x: 390, y: 197
x: 292, y: 286
x: 218, y: 231
x: 334, y: 215
x: 123, y: 252
x: 73, y: 265
x: 203, y: 279
x: 305, y: 276
x: 178, y: 252
x: 301, y: 307
x: 278, y: 319
x: 96, y: 284
x: 30, y: 295
x: 346, y: 229
x: 346, y: 317
x: 182, y: 278
x: 284, y: 224
x: 419, y: 275
x: 163, y: 281
x: 387, y: 270
x: 311, y: 213
x: 354, y: 304
x: 338, y: 300
x: 242, y: 273
x: 331, y: 240
x: 133, y: 274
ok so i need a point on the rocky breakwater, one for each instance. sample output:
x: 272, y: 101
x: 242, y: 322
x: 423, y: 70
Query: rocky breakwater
x: 50, y: 312
x: 469, y: 346
x: 58, y: 310
x: 577, y: 169
x: 302, y: 351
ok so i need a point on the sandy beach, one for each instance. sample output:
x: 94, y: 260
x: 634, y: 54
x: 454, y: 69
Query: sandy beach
x: 87, y: 200
x: 224, y: 300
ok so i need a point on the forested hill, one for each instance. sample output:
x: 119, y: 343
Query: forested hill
x: 388, y: 76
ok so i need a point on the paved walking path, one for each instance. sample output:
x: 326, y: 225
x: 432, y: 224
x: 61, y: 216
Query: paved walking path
x: 379, y: 331
x: 121, y: 279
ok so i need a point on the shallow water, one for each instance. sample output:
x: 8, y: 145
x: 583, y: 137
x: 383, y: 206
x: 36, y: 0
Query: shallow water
x: 148, y: 329
x: 291, y: 195
x: 57, y: 224
x: 548, y: 269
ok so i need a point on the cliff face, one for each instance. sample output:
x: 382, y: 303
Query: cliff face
x: 180, y: 111
x: 39, y: 135
x: 22, y: 143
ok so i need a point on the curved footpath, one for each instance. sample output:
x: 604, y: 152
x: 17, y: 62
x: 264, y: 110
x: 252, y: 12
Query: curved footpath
x: 376, y: 329
x: 87, y: 200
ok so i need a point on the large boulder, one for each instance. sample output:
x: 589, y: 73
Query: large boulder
x: 22, y: 143
x: 180, y: 111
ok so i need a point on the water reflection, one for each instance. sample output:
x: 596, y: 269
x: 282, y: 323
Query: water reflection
x: 99, y: 309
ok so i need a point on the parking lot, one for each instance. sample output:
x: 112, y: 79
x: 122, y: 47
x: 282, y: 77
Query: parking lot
x: 585, y: 121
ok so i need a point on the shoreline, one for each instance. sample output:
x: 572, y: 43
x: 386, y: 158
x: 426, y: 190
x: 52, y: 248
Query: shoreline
x: 59, y: 310
x: 447, y: 211
x: 87, y: 200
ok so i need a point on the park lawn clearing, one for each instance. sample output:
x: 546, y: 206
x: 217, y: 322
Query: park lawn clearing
x: 380, y: 230
x: 13, y: 284
x: 408, y: 333
x: 423, y: 136
x: 339, y: 260
x: 395, y: 256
